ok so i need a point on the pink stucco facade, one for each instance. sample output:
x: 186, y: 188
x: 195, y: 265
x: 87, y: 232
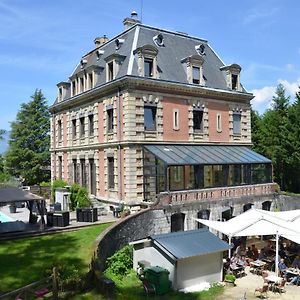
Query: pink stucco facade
x: 214, y: 110
x: 169, y: 133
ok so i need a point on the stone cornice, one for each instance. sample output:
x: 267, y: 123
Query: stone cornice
x: 148, y: 84
x: 141, y: 143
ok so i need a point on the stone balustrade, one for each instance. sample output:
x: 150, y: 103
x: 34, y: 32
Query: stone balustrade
x: 180, y: 197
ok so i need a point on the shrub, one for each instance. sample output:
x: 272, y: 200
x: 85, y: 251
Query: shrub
x: 75, y: 187
x: 120, y: 263
x: 230, y: 278
x: 56, y: 184
x: 68, y: 275
x: 82, y: 198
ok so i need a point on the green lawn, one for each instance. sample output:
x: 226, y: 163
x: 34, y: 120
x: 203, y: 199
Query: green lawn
x: 25, y: 261
x: 130, y: 288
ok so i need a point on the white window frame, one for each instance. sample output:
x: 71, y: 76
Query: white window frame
x: 176, y: 119
x: 219, y: 123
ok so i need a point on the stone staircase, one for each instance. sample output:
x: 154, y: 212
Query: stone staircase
x: 99, y: 205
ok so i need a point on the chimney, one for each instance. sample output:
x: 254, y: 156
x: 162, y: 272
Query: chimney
x: 129, y: 22
x: 100, y: 40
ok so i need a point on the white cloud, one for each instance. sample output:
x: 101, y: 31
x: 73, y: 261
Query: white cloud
x: 263, y: 96
x: 291, y: 88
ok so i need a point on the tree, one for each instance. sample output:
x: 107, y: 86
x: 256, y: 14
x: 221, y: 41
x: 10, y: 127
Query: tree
x: 2, y: 132
x: 256, y: 130
x: 273, y: 136
x: 293, y: 129
x: 28, y: 155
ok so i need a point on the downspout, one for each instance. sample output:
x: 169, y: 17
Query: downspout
x: 120, y: 192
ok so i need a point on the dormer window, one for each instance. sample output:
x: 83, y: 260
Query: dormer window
x: 148, y: 67
x: 194, y: 69
x: 234, y: 81
x: 147, y: 61
x: 73, y: 88
x: 110, y: 74
x: 196, y: 75
x: 232, y: 76
x: 90, y: 80
x: 63, y: 88
x: 113, y: 64
x: 81, y: 80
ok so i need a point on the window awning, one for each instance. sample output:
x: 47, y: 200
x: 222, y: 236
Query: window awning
x: 205, y: 155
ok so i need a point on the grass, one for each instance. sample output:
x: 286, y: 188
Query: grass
x: 130, y: 288
x: 24, y: 261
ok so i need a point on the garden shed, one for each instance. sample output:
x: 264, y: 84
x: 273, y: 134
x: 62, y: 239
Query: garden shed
x: 191, y: 257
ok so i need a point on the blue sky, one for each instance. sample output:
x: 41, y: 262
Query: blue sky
x: 42, y: 41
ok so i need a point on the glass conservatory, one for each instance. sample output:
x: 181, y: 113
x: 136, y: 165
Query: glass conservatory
x: 190, y: 167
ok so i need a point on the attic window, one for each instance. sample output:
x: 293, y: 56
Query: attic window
x: 110, y: 71
x: 99, y: 53
x: 234, y: 80
x: 196, y: 75
x: 194, y: 69
x: 83, y: 62
x: 159, y: 40
x: 200, y: 49
x: 119, y: 43
x: 148, y: 67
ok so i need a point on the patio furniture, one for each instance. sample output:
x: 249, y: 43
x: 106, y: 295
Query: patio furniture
x: 263, y: 290
x: 279, y: 287
x: 257, y: 267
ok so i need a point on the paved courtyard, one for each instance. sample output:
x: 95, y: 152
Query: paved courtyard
x: 247, y: 285
x: 22, y: 214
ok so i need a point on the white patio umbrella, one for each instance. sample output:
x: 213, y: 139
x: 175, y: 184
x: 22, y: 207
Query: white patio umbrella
x: 254, y: 223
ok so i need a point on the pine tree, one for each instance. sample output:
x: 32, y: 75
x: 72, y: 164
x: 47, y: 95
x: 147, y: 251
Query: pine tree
x: 1, y: 134
x: 256, y: 131
x: 28, y: 155
x: 274, y: 132
x: 293, y: 138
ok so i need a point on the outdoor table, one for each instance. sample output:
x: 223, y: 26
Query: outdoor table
x: 293, y: 271
x: 269, y: 261
x: 257, y: 266
x: 273, y: 279
x: 237, y: 270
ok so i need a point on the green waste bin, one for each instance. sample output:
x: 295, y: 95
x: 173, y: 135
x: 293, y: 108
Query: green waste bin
x: 159, y: 277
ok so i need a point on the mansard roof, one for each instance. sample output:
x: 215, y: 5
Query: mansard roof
x: 172, y: 52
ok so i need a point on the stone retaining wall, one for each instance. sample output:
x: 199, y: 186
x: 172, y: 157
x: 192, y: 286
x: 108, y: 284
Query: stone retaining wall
x: 157, y: 220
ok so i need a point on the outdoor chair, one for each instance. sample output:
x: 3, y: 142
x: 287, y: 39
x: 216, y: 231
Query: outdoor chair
x: 279, y: 287
x: 263, y: 291
x: 149, y: 288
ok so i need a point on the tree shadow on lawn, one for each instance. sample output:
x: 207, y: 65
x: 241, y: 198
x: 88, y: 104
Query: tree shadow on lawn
x: 25, y: 261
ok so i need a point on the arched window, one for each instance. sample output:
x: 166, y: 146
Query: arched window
x: 247, y: 206
x: 266, y: 205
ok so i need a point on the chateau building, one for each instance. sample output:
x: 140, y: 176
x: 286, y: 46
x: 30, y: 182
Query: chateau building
x: 154, y: 112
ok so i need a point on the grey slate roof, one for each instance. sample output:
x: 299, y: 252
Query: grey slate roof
x: 176, y: 47
x: 194, y: 155
x: 191, y: 243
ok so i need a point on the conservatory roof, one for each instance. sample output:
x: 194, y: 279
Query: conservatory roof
x: 205, y: 155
